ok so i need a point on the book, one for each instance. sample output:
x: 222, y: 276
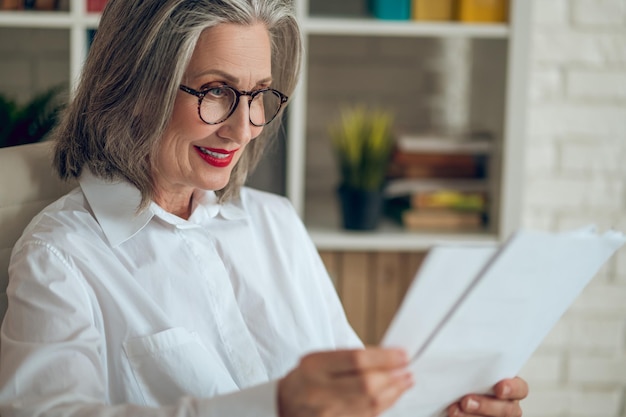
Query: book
x: 483, y: 11
x: 44, y: 4
x: 450, y: 199
x: 440, y: 156
x: 474, y: 314
x: 441, y: 215
x: 396, y: 187
x: 433, y: 9
x: 437, y: 165
x: 442, y: 220
x: 11, y: 5
x: 96, y: 6
x: 476, y: 143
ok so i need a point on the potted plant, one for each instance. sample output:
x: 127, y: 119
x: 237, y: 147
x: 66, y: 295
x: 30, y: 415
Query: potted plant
x: 363, y: 143
x: 31, y: 122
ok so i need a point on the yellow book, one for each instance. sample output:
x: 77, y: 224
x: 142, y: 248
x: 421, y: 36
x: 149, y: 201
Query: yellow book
x: 433, y: 9
x: 454, y: 200
x: 441, y: 220
x: 483, y: 11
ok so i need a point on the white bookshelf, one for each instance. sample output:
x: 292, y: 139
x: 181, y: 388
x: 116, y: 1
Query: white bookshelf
x: 322, y: 218
x: 320, y: 209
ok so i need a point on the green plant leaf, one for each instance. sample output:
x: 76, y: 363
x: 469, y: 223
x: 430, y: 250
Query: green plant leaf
x: 363, y: 142
x: 31, y: 122
x: 7, y: 111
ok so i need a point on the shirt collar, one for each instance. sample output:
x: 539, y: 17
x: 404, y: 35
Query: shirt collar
x: 115, y: 204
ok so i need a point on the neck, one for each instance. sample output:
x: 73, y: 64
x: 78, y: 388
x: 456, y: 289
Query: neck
x: 178, y: 205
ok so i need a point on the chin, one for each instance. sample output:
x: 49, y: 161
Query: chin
x: 214, y: 184
x: 214, y: 179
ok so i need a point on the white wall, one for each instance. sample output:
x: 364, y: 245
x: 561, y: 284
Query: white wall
x: 576, y: 174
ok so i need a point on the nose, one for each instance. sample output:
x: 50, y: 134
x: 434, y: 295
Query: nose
x: 237, y: 127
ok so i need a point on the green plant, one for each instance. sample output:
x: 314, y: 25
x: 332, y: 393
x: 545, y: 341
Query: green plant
x: 363, y: 143
x: 31, y: 122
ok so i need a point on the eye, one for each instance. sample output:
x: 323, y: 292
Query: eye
x: 216, y: 92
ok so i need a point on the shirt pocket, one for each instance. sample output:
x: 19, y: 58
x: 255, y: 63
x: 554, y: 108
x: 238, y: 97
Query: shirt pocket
x: 174, y: 363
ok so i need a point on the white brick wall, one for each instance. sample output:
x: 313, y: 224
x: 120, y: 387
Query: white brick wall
x: 596, y: 84
x: 576, y: 174
x: 601, y: 13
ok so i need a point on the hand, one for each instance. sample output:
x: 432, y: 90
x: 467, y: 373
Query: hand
x: 504, y: 402
x: 344, y: 383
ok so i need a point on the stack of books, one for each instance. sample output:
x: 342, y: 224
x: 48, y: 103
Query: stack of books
x: 440, y: 182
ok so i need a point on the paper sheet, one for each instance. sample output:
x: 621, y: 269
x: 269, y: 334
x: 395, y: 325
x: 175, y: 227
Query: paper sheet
x: 474, y: 315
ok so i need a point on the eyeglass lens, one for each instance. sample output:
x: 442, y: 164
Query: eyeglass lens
x: 218, y: 102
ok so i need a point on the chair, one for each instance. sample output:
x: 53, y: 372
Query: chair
x: 27, y: 185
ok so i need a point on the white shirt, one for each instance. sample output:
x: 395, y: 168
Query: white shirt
x: 118, y: 313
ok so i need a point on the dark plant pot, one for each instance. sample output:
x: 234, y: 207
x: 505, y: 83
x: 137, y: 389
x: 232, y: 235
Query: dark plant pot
x: 360, y: 209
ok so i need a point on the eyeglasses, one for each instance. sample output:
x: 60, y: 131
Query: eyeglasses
x: 218, y: 103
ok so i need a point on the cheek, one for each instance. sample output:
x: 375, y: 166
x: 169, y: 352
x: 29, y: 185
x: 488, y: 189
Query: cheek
x: 185, y: 115
x: 185, y: 126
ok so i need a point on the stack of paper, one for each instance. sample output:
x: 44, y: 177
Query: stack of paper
x: 474, y: 315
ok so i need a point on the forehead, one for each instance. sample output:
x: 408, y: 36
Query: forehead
x: 243, y: 51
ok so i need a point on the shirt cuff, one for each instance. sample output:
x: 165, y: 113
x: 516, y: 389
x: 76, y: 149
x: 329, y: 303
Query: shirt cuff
x: 258, y: 401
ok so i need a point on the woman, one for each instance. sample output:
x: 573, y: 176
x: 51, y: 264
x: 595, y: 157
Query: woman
x: 160, y: 286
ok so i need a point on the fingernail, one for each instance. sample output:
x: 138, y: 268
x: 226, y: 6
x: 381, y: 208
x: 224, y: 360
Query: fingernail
x: 471, y: 405
x: 506, y: 391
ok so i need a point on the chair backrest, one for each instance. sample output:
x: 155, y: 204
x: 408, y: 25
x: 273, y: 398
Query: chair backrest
x: 27, y: 184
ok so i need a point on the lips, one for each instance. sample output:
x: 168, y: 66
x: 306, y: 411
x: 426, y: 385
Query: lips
x: 216, y: 157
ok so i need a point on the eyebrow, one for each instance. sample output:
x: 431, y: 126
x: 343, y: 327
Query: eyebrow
x: 228, y: 77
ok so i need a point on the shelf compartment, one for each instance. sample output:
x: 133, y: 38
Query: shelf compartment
x: 322, y: 220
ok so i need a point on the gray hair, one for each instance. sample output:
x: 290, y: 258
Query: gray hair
x: 131, y: 77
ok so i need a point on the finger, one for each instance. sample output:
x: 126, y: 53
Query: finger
x: 478, y: 405
x: 387, y: 397
x: 301, y: 392
x: 368, y: 394
x: 371, y: 383
x: 356, y: 360
x: 454, y: 410
x: 511, y: 389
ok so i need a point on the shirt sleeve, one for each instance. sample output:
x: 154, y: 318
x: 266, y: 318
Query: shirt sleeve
x: 53, y: 355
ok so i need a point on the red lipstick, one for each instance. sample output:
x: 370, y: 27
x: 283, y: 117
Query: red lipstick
x: 219, y: 158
